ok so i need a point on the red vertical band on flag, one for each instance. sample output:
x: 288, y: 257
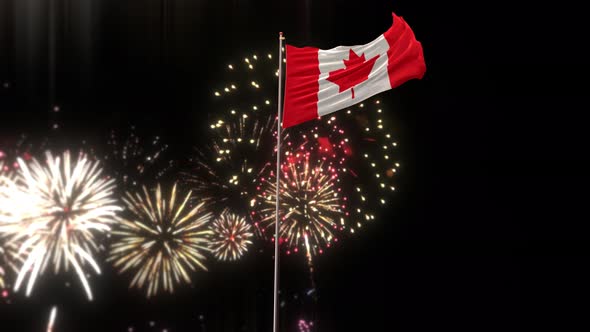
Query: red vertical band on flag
x: 301, y: 85
x: 405, y: 56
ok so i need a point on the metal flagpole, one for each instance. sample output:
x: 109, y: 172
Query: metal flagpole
x: 275, y: 318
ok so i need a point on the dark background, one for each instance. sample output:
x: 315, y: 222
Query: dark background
x: 487, y: 231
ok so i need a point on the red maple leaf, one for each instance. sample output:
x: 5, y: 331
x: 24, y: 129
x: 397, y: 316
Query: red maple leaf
x: 356, y: 71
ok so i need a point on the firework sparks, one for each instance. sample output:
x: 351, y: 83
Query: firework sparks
x: 371, y: 164
x: 243, y: 137
x: 225, y: 173
x: 311, y: 207
x: 160, y: 239
x: 134, y: 159
x: 304, y: 326
x: 23, y: 146
x: 357, y: 144
x: 55, y: 210
x: 231, y: 237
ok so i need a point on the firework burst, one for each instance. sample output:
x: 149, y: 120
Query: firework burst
x: 312, y: 209
x: 160, y: 239
x: 55, y: 211
x: 355, y: 144
x: 231, y: 236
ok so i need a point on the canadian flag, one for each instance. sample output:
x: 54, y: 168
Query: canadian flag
x: 320, y: 82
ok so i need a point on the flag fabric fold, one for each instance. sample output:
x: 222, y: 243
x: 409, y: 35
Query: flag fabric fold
x: 320, y: 82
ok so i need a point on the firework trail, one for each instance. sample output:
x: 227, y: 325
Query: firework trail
x: 55, y: 211
x: 231, y: 236
x: 2, y: 282
x: 52, y: 316
x: 160, y: 239
x: 9, y: 260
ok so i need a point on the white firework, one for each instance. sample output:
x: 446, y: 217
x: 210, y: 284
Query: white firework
x: 55, y: 211
x: 160, y: 239
x: 231, y: 236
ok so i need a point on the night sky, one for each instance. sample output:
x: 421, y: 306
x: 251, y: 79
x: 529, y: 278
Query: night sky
x: 485, y: 231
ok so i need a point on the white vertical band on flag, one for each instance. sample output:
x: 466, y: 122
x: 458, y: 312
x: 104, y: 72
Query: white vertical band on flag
x: 329, y: 97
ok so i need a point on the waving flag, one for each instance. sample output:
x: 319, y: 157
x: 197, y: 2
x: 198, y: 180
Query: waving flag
x: 320, y: 82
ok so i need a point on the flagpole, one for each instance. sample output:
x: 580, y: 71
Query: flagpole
x: 275, y: 318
